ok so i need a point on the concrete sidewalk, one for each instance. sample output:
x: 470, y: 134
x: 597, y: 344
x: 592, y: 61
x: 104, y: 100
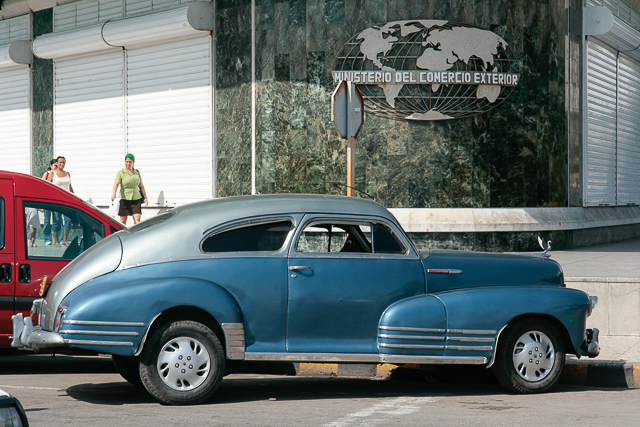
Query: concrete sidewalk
x: 611, y: 272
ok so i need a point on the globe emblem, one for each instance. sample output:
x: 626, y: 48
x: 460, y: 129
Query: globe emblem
x: 428, y: 69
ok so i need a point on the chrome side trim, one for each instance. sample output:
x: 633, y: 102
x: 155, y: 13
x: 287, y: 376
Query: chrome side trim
x: 144, y: 337
x: 393, y: 328
x: 425, y: 347
x: 472, y: 332
x: 367, y: 358
x: 466, y: 339
x: 410, y: 337
x: 493, y: 355
x: 314, y: 357
x: 126, y: 334
x: 234, y: 340
x: 470, y: 348
x: 444, y: 271
x: 101, y: 323
x: 108, y: 343
x: 433, y: 360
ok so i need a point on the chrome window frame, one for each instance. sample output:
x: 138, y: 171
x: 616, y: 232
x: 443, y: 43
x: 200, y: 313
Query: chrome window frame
x: 311, y: 219
x: 247, y: 222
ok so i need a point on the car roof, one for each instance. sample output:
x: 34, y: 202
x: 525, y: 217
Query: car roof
x: 225, y: 209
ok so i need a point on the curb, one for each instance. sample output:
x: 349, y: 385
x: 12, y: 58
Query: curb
x: 605, y: 373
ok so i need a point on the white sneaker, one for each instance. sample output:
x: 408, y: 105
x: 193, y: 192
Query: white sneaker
x: 48, y: 243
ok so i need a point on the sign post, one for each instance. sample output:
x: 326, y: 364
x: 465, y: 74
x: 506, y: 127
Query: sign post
x: 347, y: 107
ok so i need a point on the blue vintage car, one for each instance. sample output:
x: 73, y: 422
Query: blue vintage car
x: 304, y: 278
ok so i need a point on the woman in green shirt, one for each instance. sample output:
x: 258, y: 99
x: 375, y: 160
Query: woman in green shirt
x: 132, y: 191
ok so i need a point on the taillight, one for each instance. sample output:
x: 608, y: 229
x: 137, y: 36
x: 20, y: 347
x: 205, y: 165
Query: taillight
x: 44, y: 286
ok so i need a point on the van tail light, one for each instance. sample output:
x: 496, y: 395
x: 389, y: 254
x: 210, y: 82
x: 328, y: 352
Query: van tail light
x: 44, y: 286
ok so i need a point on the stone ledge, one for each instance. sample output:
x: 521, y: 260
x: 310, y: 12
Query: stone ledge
x: 465, y: 220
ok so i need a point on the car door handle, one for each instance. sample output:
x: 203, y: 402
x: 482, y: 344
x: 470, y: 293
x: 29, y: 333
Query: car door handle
x: 5, y: 273
x: 24, y: 273
x: 298, y: 267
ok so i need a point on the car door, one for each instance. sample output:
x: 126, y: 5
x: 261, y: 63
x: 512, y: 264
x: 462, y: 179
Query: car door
x: 342, y: 277
x: 7, y: 270
x: 35, y: 258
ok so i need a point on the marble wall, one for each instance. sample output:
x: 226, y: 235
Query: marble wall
x: 42, y: 111
x: 512, y: 156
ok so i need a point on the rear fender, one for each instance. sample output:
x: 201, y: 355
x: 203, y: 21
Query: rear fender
x: 131, y: 304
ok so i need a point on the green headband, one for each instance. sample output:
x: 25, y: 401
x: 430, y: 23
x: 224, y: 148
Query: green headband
x: 132, y: 158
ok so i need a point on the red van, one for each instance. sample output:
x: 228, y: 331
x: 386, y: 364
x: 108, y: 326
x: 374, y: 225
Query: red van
x: 33, y: 212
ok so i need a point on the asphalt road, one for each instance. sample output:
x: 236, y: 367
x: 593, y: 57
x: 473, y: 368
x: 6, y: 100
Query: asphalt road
x: 86, y: 391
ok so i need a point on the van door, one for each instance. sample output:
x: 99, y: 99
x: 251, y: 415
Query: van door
x: 48, y: 236
x: 7, y: 262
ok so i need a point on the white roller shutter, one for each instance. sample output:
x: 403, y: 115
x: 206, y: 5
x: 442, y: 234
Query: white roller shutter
x: 628, y: 131
x: 15, y: 95
x: 601, y: 156
x: 89, y: 121
x: 15, y: 119
x: 170, y: 119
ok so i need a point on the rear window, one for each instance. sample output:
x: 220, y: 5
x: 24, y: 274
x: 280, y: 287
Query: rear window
x: 265, y: 237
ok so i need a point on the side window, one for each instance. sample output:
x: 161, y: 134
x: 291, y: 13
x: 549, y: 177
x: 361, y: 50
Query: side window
x: 2, y: 223
x: 59, y: 232
x: 266, y: 237
x: 384, y: 241
x: 335, y: 237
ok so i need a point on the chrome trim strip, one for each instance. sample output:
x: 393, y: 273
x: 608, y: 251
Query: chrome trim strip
x: 470, y: 348
x: 493, y: 355
x: 465, y: 339
x: 144, y: 337
x: 314, y: 357
x: 444, y: 271
x: 367, y: 358
x: 126, y: 334
x: 101, y: 323
x: 410, y: 337
x: 426, y: 347
x: 90, y: 342
x: 471, y: 332
x: 234, y: 340
x: 393, y: 328
x: 433, y: 360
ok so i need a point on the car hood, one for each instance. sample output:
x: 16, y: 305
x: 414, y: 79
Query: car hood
x: 448, y: 270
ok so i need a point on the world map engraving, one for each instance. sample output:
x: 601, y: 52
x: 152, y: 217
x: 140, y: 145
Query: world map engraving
x: 428, y: 69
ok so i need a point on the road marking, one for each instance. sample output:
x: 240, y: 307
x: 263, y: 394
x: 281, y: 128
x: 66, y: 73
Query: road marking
x: 381, y: 412
x: 31, y: 388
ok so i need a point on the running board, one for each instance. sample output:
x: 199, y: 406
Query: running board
x: 364, y: 358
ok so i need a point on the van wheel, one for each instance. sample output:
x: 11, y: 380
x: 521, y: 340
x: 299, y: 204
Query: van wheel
x: 529, y: 357
x: 182, y: 364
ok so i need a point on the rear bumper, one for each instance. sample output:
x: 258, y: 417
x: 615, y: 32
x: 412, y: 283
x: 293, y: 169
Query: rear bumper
x: 26, y: 335
x: 591, y: 345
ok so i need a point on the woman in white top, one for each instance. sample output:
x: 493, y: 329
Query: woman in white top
x: 62, y: 179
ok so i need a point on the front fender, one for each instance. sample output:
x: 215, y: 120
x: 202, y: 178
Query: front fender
x: 110, y: 316
x: 491, y: 308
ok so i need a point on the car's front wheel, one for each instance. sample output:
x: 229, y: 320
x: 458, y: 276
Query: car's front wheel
x: 183, y: 363
x: 529, y: 357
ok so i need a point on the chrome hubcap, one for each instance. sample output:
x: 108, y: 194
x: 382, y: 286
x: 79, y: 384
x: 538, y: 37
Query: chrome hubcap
x: 533, y: 356
x: 183, y: 363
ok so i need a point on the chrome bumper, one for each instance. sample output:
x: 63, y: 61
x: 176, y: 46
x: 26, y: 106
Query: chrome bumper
x: 592, y: 346
x: 26, y: 335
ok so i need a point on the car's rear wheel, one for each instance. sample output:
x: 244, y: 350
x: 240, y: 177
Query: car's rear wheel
x: 529, y: 357
x: 128, y: 368
x: 183, y: 363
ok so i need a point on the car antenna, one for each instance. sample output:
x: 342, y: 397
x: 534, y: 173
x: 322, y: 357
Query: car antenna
x: 359, y: 191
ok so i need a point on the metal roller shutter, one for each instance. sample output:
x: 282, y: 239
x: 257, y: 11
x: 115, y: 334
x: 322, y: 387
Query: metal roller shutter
x: 89, y: 121
x: 170, y: 119
x: 628, y: 131
x: 15, y: 119
x: 600, y: 159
